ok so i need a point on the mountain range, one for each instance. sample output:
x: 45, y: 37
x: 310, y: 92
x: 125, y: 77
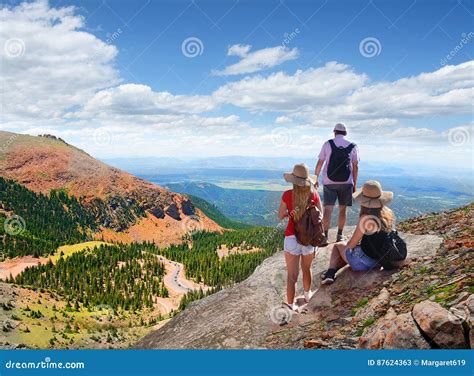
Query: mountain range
x: 248, y: 189
x: 95, y: 257
x: 168, y: 165
x: 126, y: 208
x: 412, y: 197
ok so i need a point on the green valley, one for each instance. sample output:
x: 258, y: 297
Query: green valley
x: 66, y: 291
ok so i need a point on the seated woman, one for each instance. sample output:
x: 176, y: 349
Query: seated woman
x: 292, y: 206
x: 376, y: 220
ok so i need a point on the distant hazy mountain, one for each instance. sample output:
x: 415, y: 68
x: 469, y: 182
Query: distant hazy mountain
x: 417, y: 189
x: 412, y: 197
x: 166, y: 165
x: 249, y: 206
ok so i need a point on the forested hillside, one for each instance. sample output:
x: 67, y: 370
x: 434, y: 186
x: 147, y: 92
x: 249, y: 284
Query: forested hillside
x: 34, y: 223
x: 203, y: 264
x: 126, y: 276
x: 253, y: 206
x: 215, y: 214
x: 129, y: 276
x: 141, y: 282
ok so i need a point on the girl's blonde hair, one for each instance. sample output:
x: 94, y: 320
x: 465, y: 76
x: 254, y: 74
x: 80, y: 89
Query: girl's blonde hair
x: 384, y: 214
x: 301, y: 197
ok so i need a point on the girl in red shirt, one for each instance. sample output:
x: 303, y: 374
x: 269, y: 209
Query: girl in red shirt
x: 292, y: 206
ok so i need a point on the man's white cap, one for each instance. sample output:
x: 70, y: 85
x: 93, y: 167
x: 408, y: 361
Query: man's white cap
x: 340, y: 127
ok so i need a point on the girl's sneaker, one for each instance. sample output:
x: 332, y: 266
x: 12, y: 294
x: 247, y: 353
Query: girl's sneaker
x: 328, y: 277
x: 308, y: 295
x: 292, y: 307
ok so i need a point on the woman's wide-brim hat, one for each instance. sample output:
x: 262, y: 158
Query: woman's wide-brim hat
x: 300, y: 176
x: 372, y: 196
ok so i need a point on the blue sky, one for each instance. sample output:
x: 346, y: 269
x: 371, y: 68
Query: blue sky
x: 270, y: 78
x: 150, y: 44
x: 406, y: 29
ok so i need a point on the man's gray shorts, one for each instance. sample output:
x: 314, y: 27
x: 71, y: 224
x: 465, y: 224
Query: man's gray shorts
x: 340, y: 192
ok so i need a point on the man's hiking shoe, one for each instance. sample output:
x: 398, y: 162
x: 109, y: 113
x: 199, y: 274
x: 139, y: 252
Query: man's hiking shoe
x: 328, y: 277
x: 340, y: 238
x: 324, y: 242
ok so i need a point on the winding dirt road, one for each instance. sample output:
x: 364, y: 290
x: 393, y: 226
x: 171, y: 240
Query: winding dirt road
x: 175, y: 279
x: 172, y: 279
x: 177, y: 284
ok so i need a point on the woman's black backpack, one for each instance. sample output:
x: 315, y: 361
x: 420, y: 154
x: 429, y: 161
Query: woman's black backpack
x: 394, y: 250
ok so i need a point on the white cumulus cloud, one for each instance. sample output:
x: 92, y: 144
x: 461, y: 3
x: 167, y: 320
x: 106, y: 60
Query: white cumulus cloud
x: 257, y: 60
x: 56, y: 65
x: 134, y: 99
x: 291, y: 92
x: 240, y: 50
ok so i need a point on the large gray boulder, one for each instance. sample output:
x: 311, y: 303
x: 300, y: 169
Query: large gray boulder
x: 441, y: 326
x: 243, y: 316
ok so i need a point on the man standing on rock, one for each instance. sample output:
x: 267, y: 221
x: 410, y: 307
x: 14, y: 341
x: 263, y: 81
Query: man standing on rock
x: 340, y: 159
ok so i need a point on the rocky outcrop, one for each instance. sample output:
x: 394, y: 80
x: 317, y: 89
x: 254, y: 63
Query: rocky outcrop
x: 244, y: 315
x: 393, y: 332
x: 187, y: 207
x: 469, y: 309
x: 434, y: 291
x: 158, y: 213
x: 369, y: 310
x: 441, y: 326
x: 173, y: 212
x: 470, y: 312
x: 429, y: 325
